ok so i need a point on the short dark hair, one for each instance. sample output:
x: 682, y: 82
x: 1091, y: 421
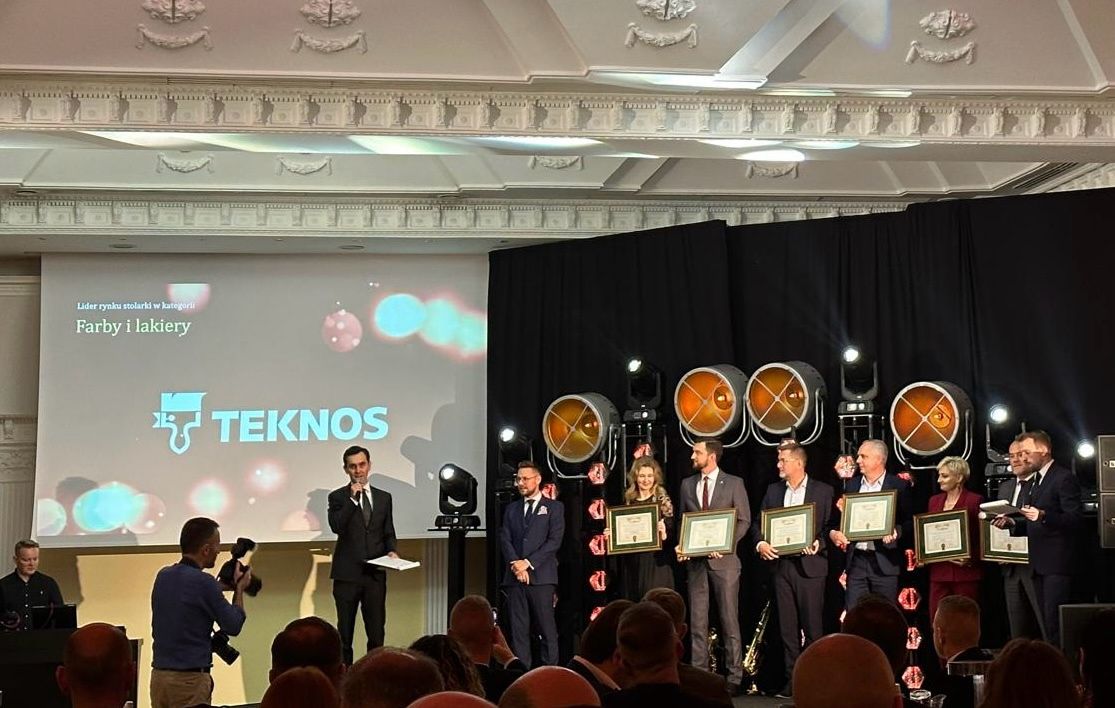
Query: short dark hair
x: 309, y: 641
x: 529, y: 464
x: 794, y: 449
x: 25, y: 543
x: 355, y: 450
x: 388, y: 677
x: 598, y: 642
x: 1040, y: 438
x: 879, y: 621
x: 196, y: 533
x: 713, y: 447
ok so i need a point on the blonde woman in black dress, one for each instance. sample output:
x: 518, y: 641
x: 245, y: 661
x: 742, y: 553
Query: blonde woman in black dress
x: 644, y: 571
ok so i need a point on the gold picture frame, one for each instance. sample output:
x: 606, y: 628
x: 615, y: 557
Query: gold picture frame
x: 790, y: 529
x: 633, y: 528
x: 707, y: 532
x: 942, y: 536
x: 868, y: 516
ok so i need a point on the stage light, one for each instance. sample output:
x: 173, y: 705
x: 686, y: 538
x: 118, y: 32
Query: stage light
x: 598, y: 545
x: 709, y: 399
x: 913, y: 677
x: 998, y: 414
x: 1085, y: 450
x: 457, y: 491
x: 926, y: 417
x: 644, y: 389
x: 595, y: 611
x: 575, y: 427
x: 549, y: 490
x: 633, y: 365
x: 598, y: 473
x: 859, y: 380
x: 850, y: 355
x: 783, y: 396
x: 506, y: 435
x: 513, y: 449
x: 909, y: 599
x: 596, y: 510
x: 598, y: 581
x: 913, y: 638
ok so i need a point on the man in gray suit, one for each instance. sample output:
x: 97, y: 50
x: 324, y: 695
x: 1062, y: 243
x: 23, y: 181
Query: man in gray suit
x: 1018, y: 583
x: 711, y: 488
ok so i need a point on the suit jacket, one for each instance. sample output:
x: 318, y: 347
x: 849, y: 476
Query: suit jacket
x: 820, y: 495
x: 728, y: 493
x: 536, y: 538
x: 959, y: 690
x: 706, y: 685
x: 496, y: 678
x: 1006, y: 493
x: 1052, y: 540
x: 888, y: 555
x: 357, y: 542
x: 579, y: 668
x: 950, y: 572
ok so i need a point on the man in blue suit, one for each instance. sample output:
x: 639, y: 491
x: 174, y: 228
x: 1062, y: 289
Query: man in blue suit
x: 530, y: 538
x: 873, y: 566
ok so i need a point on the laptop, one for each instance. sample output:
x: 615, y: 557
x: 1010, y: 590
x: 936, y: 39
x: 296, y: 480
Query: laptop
x: 54, y: 617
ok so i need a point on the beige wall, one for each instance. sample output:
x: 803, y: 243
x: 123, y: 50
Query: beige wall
x: 114, y: 586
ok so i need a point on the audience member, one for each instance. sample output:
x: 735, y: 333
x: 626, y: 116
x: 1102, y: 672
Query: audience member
x: 1030, y: 673
x: 597, y: 661
x: 390, y: 678
x: 549, y: 687
x: 1097, y: 657
x: 695, y: 682
x: 301, y: 687
x: 457, y: 669
x: 471, y: 623
x: 309, y: 641
x: 846, y: 671
x: 649, y: 650
x: 879, y: 621
x: 451, y: 699
x: 956, y: 633
x: 97, y: 670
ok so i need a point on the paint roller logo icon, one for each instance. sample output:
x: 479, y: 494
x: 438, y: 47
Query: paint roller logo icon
x: 174, y: 415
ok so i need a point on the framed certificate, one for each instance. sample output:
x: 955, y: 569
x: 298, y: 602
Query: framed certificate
x: 705, y: 532
x: 790, y: 529
x: 998, y: 545
x: 634, y: 528
x: 868, y: 516
x: 941, y: 536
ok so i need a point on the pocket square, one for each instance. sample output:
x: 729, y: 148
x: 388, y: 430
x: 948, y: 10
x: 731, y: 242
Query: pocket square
x: 542, y: 511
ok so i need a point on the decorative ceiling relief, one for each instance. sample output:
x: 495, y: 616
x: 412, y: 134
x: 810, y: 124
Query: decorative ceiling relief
x: 660, y: 39
x: 303, y: 167
x: 556, y: 162
x: 666, y: 9
x: 183, y: 164
x: 944, y: 25
x: 329, y: 14
x: 772, y: 170
x: 173, y: 12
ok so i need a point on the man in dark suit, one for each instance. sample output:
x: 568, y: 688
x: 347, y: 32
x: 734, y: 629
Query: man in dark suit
x: 361, y: 517
x: 1050, y: 521
x: 531, y: 536
x: 472, y: 623
x: 695, y: 682
x: 799, y: 580
x: 1023, y: 610
x: 597, y: 661
x: 711, y: 488
x: 873, y: 566
x: 956, y: 633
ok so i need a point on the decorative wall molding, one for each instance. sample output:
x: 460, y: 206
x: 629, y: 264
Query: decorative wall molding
x: 330, y: 13
x: 935, y: 56
x: 303, y: 167
x: 666, y: 9
x: 173, y: 11
x: 183, y: 164
x: 660, y: 39
x: 172, y: 41
x: 1091, y: 176
x: 947, y: 24
x: 556, y: 162
x: 126, y: 215
x: 772, y: 170
x: 329, y: 46
x: 17, y: 430
x: 142, y: 105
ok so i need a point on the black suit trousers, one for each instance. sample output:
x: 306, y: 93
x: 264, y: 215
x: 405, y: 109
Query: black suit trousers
x: 532, y: 612
x: 800, y: 608
x: 371, y: 597
x: 1053, y: 591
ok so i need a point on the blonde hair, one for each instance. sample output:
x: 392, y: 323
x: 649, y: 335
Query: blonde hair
x: 631, y: 494
x: 958, y: 466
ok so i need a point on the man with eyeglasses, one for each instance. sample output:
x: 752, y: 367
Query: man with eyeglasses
x: 531, y: 535
x: 1023, y: 612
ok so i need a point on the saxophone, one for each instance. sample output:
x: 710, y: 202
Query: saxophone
x: 754, y: 654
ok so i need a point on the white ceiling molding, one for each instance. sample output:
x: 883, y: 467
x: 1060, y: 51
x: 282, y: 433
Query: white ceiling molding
x: 173, y: 11
x: 947, y: 24
x: 772, y: 171
x: 172, y: 41
x: 183, y: 164
x: 660, y: 40
x: 1093, y: 176
x: 940, y: 56
x: 330, y: 13
x: 666, y: 9
x: 155, y: 106
x: 303, y: 167
x: 556, y: 162
x: 329, y: 46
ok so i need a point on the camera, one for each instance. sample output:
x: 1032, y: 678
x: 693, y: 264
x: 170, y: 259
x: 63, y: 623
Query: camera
x: 241, y: 550
x: 220, y: 646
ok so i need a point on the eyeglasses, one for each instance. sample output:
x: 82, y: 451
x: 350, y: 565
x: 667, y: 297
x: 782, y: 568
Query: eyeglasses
x: 525, y: 478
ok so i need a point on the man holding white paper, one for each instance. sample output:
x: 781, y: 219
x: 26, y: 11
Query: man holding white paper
x: 361, y: 516
x: 1023, y: 610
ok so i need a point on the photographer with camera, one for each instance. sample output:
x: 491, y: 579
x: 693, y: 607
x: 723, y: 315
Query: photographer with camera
x: 185, y: 603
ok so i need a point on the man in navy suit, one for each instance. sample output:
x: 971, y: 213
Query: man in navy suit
x: 1050, y: 521
x: 712, y: 488
x: 1023, y: 609
x: 873, y: 566
x: 361, y: 517
x: 799, y: 580
x: 530, y: 538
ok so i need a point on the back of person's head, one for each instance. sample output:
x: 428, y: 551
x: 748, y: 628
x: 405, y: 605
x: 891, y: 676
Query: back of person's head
x: 956, y: 625
x: 879, y: 621
x: 647, y: 641
x: 389, y: 677
x: 96, y: 666
x: 451, y: 699
x: 1030, y: 673
x: 471, y: 623
x: 196, y: 533
x: 301, y: 687
x: 309, y: 641
x: 1097, y: 657
x: 598, y: 643
x: 549, y: 687
x: 457, y: 670
x: 674, y: 604
x: 846, y: 671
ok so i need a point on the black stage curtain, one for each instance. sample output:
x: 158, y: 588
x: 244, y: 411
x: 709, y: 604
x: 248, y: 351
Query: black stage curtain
x: 1011, y: 299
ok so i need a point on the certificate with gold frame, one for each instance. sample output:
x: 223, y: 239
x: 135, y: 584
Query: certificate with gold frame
x: 999, y: 546
x: 790, y: 529
x: 707, y: 532
x: 941, y: 536
x: 868, y: 516
x: 633, y: 528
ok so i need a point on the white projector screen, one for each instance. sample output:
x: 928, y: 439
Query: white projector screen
x: 229, y: 387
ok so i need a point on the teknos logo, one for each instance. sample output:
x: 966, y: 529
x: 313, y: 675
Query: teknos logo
x: 180, y: 412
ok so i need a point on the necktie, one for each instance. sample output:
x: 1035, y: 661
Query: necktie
x: 530, y: 509
x: 704, y: 495
x: 365, y: 508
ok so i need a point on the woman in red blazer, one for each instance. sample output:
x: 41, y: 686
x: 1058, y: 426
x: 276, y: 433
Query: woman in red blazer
x: 955, y: 577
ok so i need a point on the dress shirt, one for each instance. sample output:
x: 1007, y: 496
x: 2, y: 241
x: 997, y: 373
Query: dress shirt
x: 18, y: 596
x: 602, y: 677
x: 536, y: 497
x: 865, y: 486
x: 711, y: 477
x: 795, y: 497
x: 1018, y: 489
x: 185, y: 602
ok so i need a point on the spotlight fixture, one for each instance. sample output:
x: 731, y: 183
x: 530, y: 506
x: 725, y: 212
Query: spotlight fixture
x: 859, y: 381
x: 708, y: 400
x: 783, y: 397
x: 514, y: 448
x: 926, y: 417
x: 850, y: 355
x: 633, y: 365
x: 644, y: 390
x: 457, y: 491
x: 575, y: 427
x: 998, y: 414
x: 506, y: 435
x: 1085, y: 450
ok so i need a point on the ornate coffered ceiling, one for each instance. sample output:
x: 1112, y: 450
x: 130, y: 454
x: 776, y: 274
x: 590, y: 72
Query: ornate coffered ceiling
x: 536, y: 118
